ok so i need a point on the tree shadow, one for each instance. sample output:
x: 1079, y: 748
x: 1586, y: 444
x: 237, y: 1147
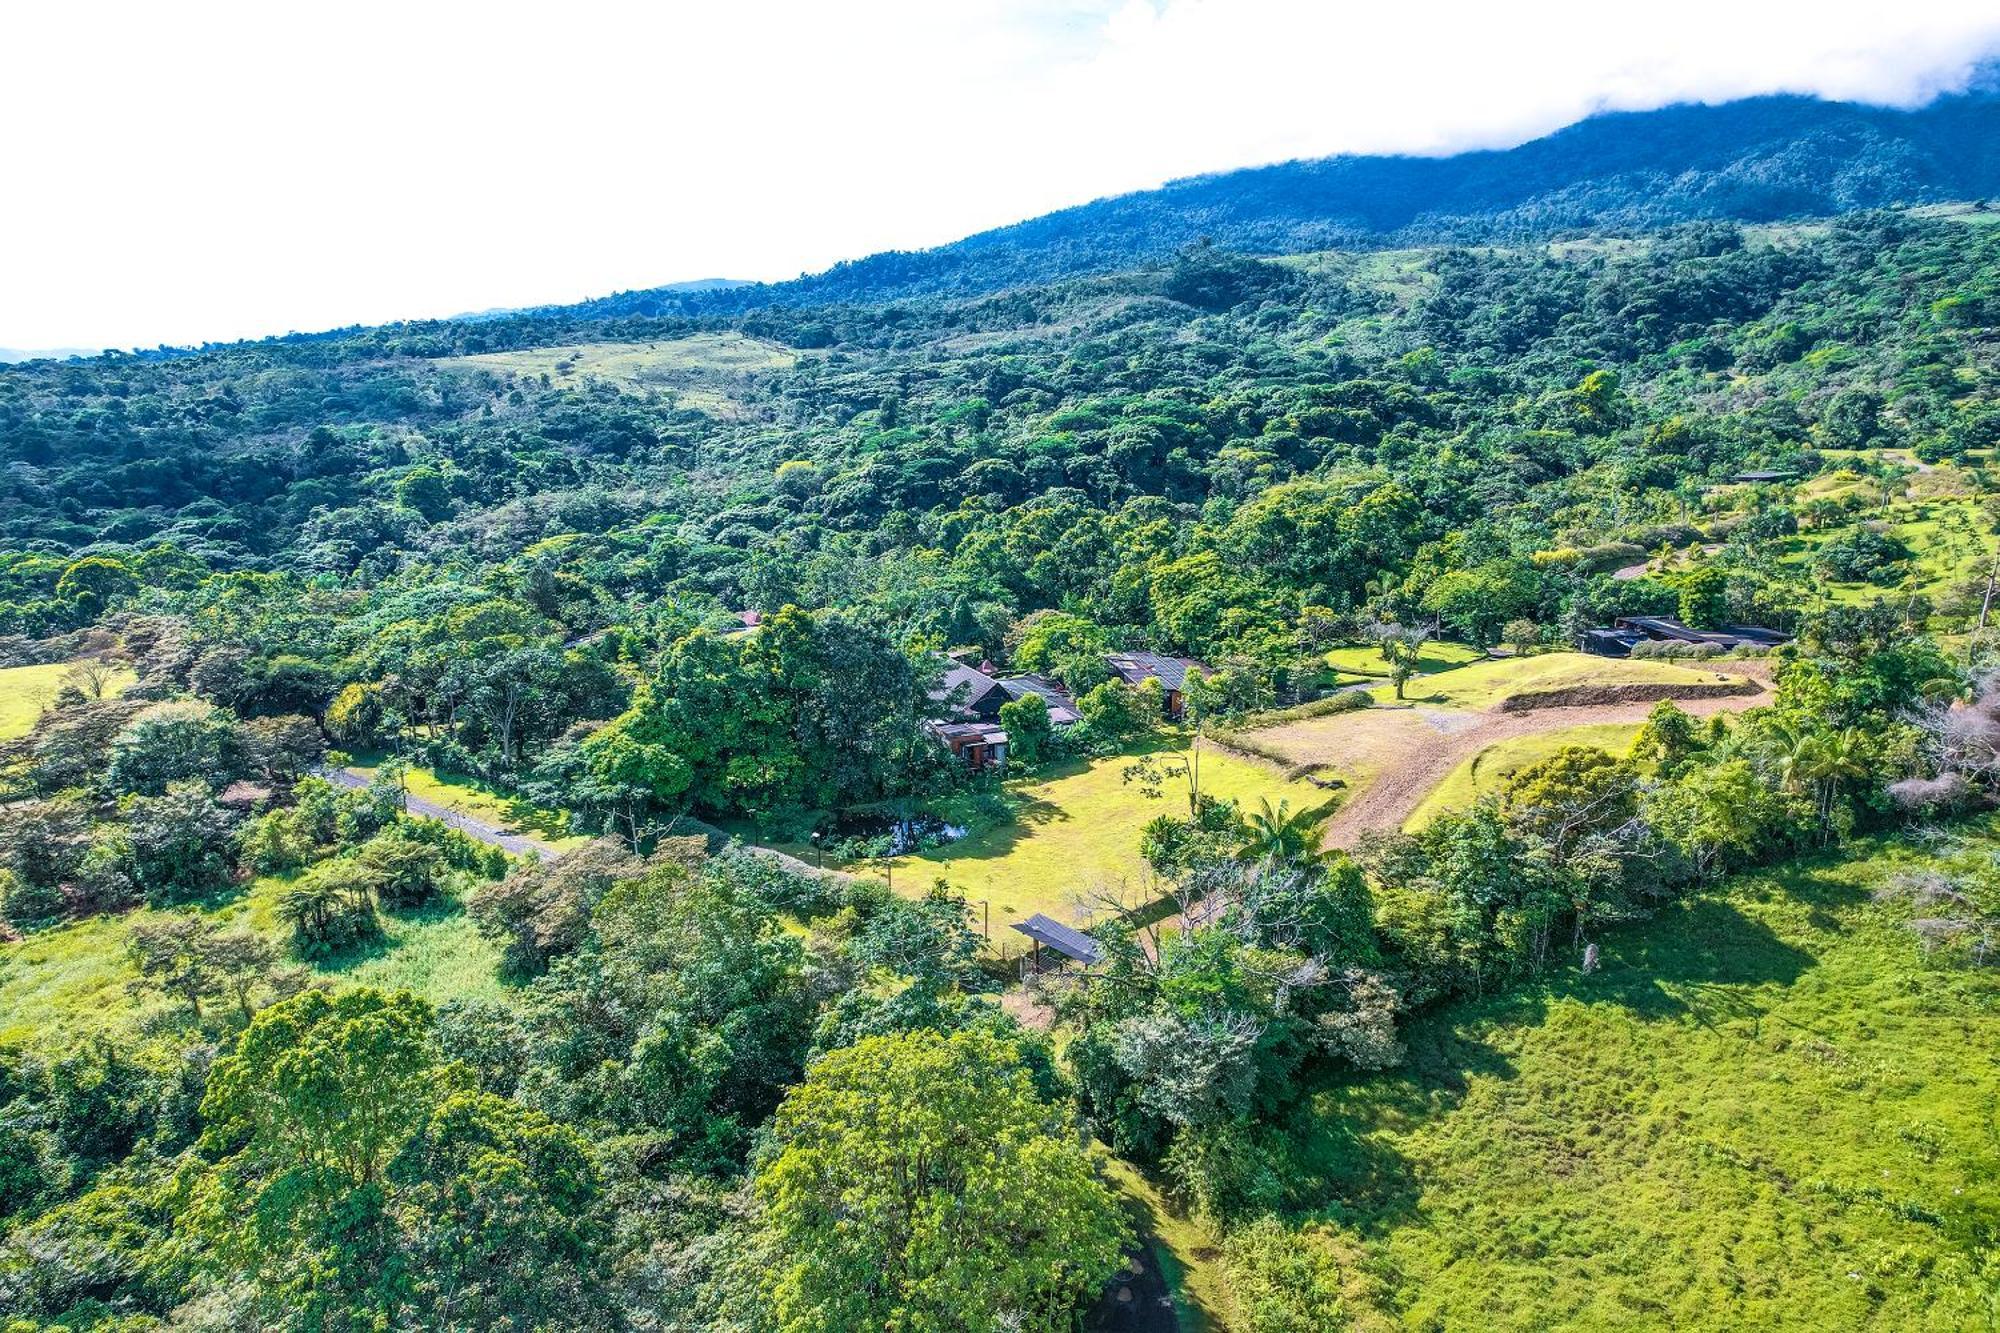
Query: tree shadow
x: 441, y: 908
x: 1702, y: 960
x: 1342, y: 1166
x: 1151, y: 1293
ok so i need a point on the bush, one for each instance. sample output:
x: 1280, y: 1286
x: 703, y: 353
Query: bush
x: 401, y: 870
x: 25, y: 903
x: 1863, y: 556
x: 329, y: 908
x: 1285, y: 1281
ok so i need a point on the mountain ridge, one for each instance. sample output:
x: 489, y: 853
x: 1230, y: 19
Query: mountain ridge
x: 1758, y: 159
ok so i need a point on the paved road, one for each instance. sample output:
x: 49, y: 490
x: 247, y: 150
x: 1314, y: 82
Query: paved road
x: 510, y: 841
x: 505, y: 839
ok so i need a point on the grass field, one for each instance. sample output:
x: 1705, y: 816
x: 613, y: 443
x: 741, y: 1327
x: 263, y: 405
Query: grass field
x: 1484, y: 773
x: 1076, y: 828
x: 478, y: 800
x: 72, y: 980
x: 1765, y: 1110
x: 1951, y: 538
x: 1481, y: 685
x: 1366, y: 659
x: 696, y: 368
x: 25, y: 691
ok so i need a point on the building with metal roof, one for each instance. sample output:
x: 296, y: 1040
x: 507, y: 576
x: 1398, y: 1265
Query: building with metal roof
x: 1065, y: 940
x: 1172, y: 672
x: 1062, y: 708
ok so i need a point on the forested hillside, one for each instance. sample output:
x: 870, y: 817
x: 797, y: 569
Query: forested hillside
x: 482, y: 844
x: 1757, y: 160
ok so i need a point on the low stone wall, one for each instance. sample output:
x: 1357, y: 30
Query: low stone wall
x: 1595, y: 696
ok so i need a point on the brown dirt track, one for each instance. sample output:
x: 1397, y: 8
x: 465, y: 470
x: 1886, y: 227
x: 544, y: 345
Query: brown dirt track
x: 1395, y: 757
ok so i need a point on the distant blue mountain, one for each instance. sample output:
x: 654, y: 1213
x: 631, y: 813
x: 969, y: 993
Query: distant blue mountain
x: 1760, y: 159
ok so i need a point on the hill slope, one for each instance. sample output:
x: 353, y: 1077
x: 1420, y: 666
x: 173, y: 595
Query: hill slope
x: 1760, y: 159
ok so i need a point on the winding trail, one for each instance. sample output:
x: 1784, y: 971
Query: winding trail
x: 492, y: 834
x: 507, y: 840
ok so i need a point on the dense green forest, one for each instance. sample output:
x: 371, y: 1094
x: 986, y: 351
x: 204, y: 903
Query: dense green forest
x: 281, y: 1051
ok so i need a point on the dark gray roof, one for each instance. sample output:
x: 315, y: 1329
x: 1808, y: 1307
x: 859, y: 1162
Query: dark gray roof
x: 1665, y: 627
x: 1171, y: 672
x: 1065, y: 940
x: 973, y: 685
x: 1757, y: 634
x: 1062, y: 708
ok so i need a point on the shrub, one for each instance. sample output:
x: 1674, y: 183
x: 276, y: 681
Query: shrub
x: 1285, y: 1281
x: 402, y: 870
x: 26, y: 903
x: 329, y: 908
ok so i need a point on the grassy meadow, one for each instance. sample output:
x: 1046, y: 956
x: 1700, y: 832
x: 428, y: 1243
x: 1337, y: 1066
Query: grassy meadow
x: 26, y: 690
x: 697, y: 368
x: 1366, y: 659
x: 1481, y: 685
x: 60, y: 983
x: 1767, y: 1109
x: 1074, y: 827
x: 476, y: 799
x: 1487, y: 771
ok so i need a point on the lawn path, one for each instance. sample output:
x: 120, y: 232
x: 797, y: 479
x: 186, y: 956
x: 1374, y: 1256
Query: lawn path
x: 520, y: 845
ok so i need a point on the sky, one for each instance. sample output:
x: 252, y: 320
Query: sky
x: 200, y: 171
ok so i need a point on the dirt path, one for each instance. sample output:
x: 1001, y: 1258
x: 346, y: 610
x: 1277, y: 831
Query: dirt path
x: 1421, y: 753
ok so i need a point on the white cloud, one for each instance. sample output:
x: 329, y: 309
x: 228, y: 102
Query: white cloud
x: 191, y: 171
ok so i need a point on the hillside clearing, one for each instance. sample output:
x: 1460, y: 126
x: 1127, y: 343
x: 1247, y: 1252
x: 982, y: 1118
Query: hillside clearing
x: 1074, y: 830
x: 62, y: 983
x: 1481, y: 685
x: 1484, y: 772
x: 1767, y: 1109
x: 26, y: 690
x: 1392, y: 758
x: 698, y: 368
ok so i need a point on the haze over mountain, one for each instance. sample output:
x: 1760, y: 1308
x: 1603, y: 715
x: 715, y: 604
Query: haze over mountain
x: 1757, y: 159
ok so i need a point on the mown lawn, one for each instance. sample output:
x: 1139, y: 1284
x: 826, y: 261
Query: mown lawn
x: 26, y: 690
x: 1767, y: 1109
x: 1485, y: 772
x: 1366, y: 659
x: 1076, y: 828
x: 1481, y: 685
x: 56, y: 984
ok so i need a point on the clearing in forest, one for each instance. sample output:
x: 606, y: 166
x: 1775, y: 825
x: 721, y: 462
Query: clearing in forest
x: 699, y: 368
x: 26, y: 690
x: 1366, y: 659
x: 1075, y: 828
x: 75, y: 978
x: 433, y: 794
x: 1393, y: 757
